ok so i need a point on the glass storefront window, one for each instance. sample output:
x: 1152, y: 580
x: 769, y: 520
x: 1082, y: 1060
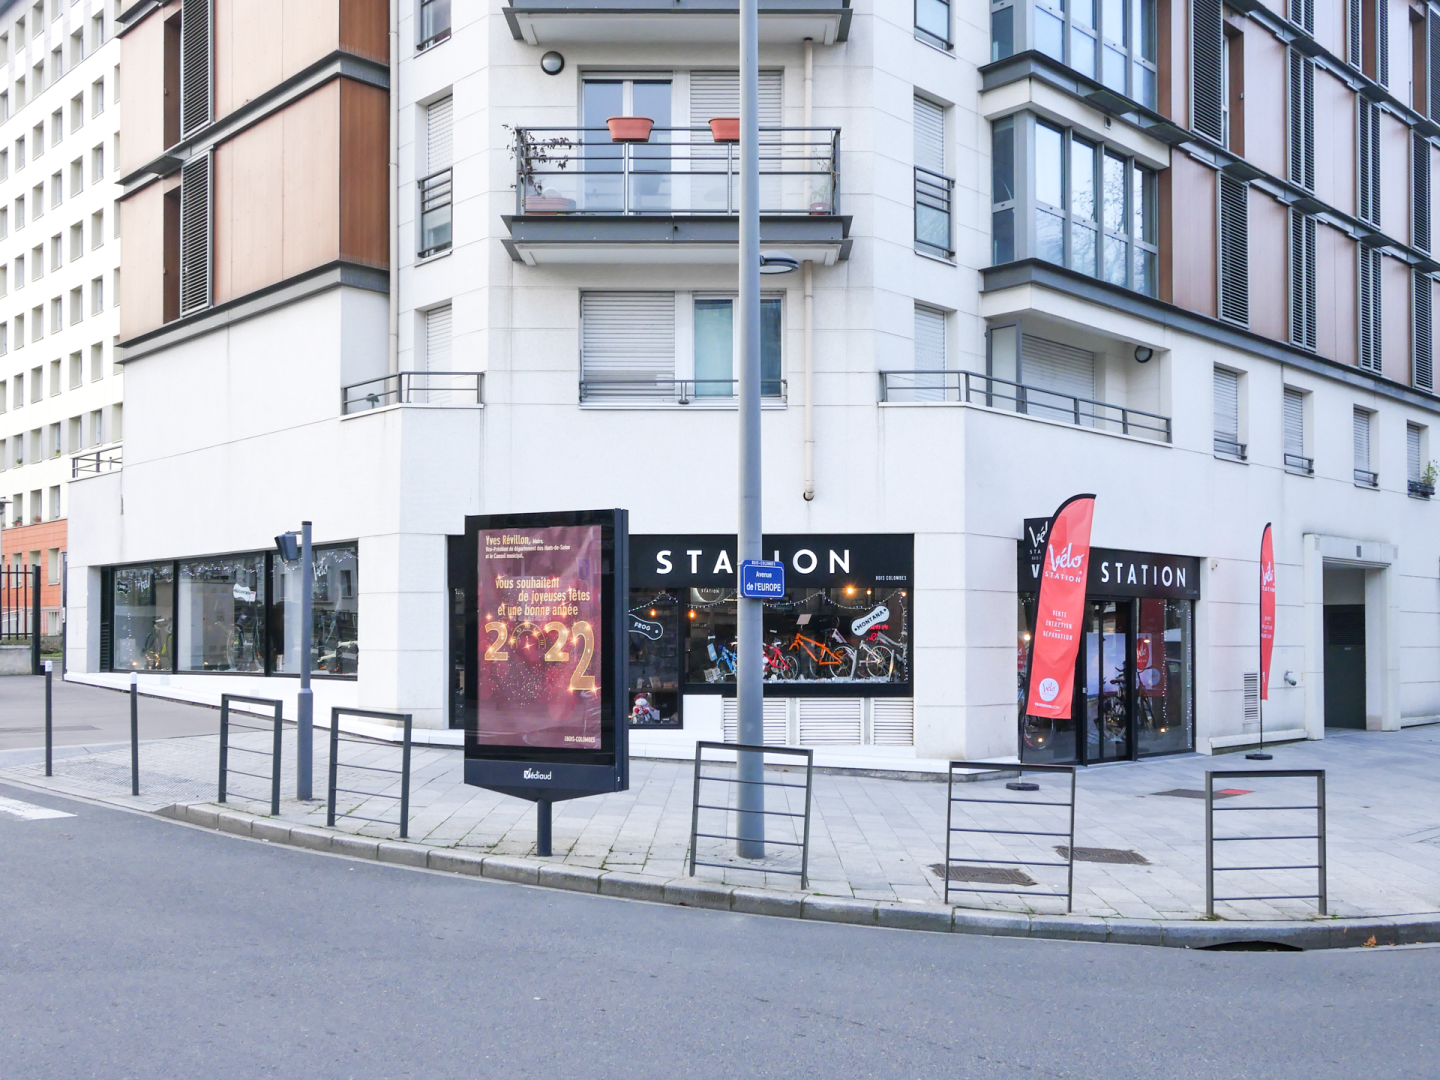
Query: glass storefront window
x: 143, y: 632
x: 655, y: 640
x: 222, y: 614
x: 1042, y: 740
x: 1164, y: 674
x: 334, y: 613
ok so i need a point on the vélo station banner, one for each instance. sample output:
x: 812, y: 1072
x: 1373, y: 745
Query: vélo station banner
x: 1267, y: 609
x: 1060, y: 610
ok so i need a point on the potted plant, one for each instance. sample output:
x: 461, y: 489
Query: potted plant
x: 1427, y: 479
x: 725, y: 129
x: 629, y: 129
x: 543, y: 156
x: 821, y: 203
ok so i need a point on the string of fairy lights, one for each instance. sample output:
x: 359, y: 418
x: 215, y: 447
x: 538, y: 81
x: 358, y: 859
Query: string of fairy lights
x: 651, y: 606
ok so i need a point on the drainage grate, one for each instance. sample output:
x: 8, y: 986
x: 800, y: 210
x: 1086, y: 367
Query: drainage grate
x: 1103, y: 854
x: 1199, y: 793
x: 990, y: 875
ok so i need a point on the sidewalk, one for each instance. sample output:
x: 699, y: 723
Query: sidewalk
x: 878, y: 839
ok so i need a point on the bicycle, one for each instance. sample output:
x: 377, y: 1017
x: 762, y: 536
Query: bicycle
x: 777, y: 664
x: 724, y: 658
x: 878, y: 652
x: 820, y: 656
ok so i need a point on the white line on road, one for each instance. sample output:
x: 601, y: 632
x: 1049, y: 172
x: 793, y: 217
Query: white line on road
x: 29, y: 811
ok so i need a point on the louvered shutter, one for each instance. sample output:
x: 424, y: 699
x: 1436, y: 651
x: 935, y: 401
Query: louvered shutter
x: 1370, y: 309
x: 1302, y: 13
x: 1420, y: 190
x: 438, y: 135
x: 1302, y: 280
x: 1234, y: 251
x: 929, y: 136
x: 829, y: 721
x: 1412, y: 452
x: 1302, y: 120
x: 773, y: 719
x: 1382, y: 42
x: 1227, y: 405
x: 1207, y: 36
x: 1362, y: 440
x: 1424, y: 363
x: 892, y: 721
x: 196, y: 84
x: 195, y: 234
x: 1369, y: 161
x: 1294, y: 423
x: 1432, y: 73
x: 1353, y: 10
x: 627, y: 344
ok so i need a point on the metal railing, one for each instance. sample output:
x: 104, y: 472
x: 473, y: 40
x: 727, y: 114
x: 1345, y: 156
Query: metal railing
x: 933, y: 198
x: 20, y: 610
x: 1300, y: 463
x: 226, y: 724
x: 973, y: 388
x: 1420, y: 489
x: 1318, y: 775
x: 678, y: 391
x: 983, y: 863
x: 336, y: 765
x: 757, y: 866
x: 437, y: 194
x: 1367, y: 478
x: 95, y: 462
x: 413, y: 388
x: 679, y: 171
x: 1229, y: 446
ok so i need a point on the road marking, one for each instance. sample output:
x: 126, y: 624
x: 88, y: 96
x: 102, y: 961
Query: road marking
x: 29, y: 811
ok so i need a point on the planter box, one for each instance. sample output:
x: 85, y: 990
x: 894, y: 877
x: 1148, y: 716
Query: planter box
x: 629, y: 129
x: 725, y: 129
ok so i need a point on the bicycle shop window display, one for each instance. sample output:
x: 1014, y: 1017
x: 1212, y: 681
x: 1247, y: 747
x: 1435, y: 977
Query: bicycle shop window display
x: 222, y: 614
x: 334, y: 612
x: 143, y: 619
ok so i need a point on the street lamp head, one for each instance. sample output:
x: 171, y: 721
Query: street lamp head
x: 777, y: 262
x: 288, y: 544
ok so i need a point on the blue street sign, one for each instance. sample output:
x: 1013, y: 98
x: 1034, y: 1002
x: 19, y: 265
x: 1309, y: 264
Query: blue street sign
x: 761, y: 579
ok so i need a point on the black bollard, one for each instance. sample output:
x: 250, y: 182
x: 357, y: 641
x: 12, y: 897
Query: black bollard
x: 49, y: 718
x: 542, y: 827
x: 134, y: 737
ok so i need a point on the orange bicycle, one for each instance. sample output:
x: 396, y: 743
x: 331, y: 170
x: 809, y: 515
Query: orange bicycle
x: 821, y: 658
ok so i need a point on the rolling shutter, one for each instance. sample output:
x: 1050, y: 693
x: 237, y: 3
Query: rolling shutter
x: 929, y: 339
x: 437, y: 339
x: 829, y: 721
x: 1302, y: 281
x: 1362, y: 440
x: 773, y: 719
x: 1234, y: 251
x: 1302, y: 121
x: 1207, y: 37
x: 438, y: 135
x: 1424, y: 374
x: 195, y: 234
x: 1412, y: 453
x: 717, y: 93
x: 892, y: 721
x: 196, y: 84
x: 1062, y: 370
x: 1227, y: 405
x: 1370, y: 308
x: 1294, y: 423
x: 929, y: 136
x: 627, y: 340
x: 1420, y: 188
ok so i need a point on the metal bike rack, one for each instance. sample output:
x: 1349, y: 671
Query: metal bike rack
x: 226, y: 723
x: 951, y: 828
x: 1318, y: 775
x: 695, y: 834
x: 404, y: 771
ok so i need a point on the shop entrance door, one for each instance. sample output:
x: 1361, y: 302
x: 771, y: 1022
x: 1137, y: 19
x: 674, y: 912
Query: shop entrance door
x: 1345, y: 665
x: 1107, y: 682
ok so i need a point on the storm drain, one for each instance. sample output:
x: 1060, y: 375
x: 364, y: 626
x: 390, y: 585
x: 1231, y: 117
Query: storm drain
x: 1103, y: 854
x: 988, y: 875
x: 1199, y: 793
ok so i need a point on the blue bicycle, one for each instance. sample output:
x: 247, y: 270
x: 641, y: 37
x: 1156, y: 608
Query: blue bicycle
x: 723, y: 658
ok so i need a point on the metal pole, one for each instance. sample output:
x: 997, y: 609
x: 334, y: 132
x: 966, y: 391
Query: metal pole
x: 134, y: 735
x: 304, y: 711
x: 542, y: 826
x: 1210, y: 845
x: 405, y: 783
x: 749, y: 616
x: 334, y: 767
x: 35, y: 620
x: 1320, y: 807
x: 49, y: 718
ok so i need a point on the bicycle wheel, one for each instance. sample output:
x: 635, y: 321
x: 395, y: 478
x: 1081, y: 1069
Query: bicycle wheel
x: 844, y: 666
x: 879, y: 662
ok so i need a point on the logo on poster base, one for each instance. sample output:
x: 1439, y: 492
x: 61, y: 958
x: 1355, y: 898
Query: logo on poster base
x: 536, y: 774
x: 1049, y: 689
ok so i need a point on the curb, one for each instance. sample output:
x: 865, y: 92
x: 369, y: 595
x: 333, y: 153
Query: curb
x: 931, y: 918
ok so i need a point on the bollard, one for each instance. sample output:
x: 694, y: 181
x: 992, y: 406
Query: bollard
x: 49, y: 718
x: 134, y: 735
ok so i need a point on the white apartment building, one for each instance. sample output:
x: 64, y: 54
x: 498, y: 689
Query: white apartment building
x: 60, y: 383
x: 1013, y: 288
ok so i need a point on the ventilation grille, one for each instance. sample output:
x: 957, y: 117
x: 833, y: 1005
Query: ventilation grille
x: 195, y: 188
x: 892, y: 721
x: 1370, y: 309
x: 772, y: 716
x: 829, y: 721
x: 1302, y: 121
x: 1208, y: 42
x: 1234, y: 251
x: 1252, y: 698
x: 1424, y: 374
x: 196, y: 97
x: 1302, y: 281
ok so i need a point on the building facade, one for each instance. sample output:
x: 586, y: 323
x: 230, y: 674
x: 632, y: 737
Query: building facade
x: 60, y: 384
x: 1052, y: 251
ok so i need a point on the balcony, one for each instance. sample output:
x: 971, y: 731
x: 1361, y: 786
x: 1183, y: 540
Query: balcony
x: 670, y: 22
x: 974, y: 388
x: 449, y: 388
x: 1227, y: 446
x: 581, y: 198
x: 1299, y: 463
x: 95, y: 462
x: 1367, y: 478
x: 1419, y: 489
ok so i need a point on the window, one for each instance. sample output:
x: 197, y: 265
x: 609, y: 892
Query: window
x: 56, y: 252
x: 37, y: 141
x: 435, y: 186
x: 932, y: 23
x: 77, y: 370
x: 37, y: 202
x: 1368, y: 170
x: 77, y: 177
x: 97, y: 97
x: 142, y: 620
x: 1113, y: 42
x: 5, y: 105
x: 194, y: 235
x: 77, y: 241
x: 1227, y: 414
x: 117, y: 422
x: 1415, y: 480
x: 716, y: 347
x: 434, y: 22
x: 77, y: 112
x: 933, y: 189
x: 57, y: 126
x: 54, y: 500
x: 1370, y: 309
x: 1364, y: 475
x: 57, y: 190
x: 437, y: 338
x: 627, y: 345
x: 97, y: 427
x: 77, y: 306
x: 97, y: 229
x: 57, y: 321
x: 76, y: 436
x: 1423, y: 373
x: 97, y: 164
x: 97, y: 362
x: 20, y: 96
x: 4, y: 164
x: 1296, y: 459
x: 52, y: 446
x: 20, y: 271
x: 55, y: 385
x: 334, y: 594
x: 77, y: 47
x: 97, y: 295
x: 929, y: 338
x: 52, y: 557
x: 4, y: 275
x: 1002, y: 191
x: 37, y: 323
x: 1431, y: 66
x: 1367, y: 44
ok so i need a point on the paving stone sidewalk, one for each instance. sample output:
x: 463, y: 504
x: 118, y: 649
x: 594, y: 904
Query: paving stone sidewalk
x: 881, y: 839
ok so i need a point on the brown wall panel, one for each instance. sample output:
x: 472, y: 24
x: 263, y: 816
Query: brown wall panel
x: 1192, y: 234
x: 1265, y: 100
x: 1173, y: 49
x: 1335, y: 294
x: 1269, y: 292
x: 142, y: 89
x: 1400, y: 49
x: 1394, y: 178
x: 249, y: 210
x: 1329, y: 25
x: 365, y: 28
x: 312, y: 180
x: 142, y: 261
x: 1395, y: 319
x: 1334, y: 140
x: 260, y: 43
x: 364, y: 170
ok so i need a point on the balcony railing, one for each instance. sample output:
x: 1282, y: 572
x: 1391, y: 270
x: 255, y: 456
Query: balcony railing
x: 933, y: 232
x: 436, y: 199
x: 95, y: 462
x: 674, y: 391
x: 1367, y: 478
x: 413, y: 388
x: 977, y: 389
x: 1229, y: 446
x: 679, y: 171
x: 1420, y: 489
x: 1299, y: 463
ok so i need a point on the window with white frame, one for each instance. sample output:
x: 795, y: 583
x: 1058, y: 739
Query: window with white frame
x: 435, y: 188
x: 932, y: 23
x: 1293, y: 419
x: 1365, y: 476
x: 1417, y: 481
x: 1227, y: 414
x: 934, y: 190
x: 433, y: 23
x: 437, y: 338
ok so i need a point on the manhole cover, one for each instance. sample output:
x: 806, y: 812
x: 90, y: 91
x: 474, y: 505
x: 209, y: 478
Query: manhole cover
x: 1103, y: 854
x: 989, y: 875
x: 1199, y: 793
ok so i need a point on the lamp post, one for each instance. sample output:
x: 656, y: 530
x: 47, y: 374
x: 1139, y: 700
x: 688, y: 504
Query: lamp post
x: 290, y: 551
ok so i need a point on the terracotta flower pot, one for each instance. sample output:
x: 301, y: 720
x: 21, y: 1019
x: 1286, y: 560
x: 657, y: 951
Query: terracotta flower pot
x: 629, y: 129
x: 548, y: 204
x: 725, y: 129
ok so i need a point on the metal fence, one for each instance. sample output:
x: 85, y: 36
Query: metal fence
x: 227, y: 724
x: 95, y: 462
x: 983, y: 864
x: 1318, y: 775
x: 701, y: 776
x: 20, y: 610
x: 336, y: 765
x: 413, y: 388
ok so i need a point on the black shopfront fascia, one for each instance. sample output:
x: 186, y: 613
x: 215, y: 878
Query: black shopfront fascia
x: 107, y: 615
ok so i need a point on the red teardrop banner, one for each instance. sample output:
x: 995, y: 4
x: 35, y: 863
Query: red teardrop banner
x: 1267, y: 609
x: 1060, y: 609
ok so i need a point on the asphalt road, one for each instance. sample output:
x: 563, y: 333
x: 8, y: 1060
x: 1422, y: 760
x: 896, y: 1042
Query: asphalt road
x: 131, y: 946
x: 89, y: 715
